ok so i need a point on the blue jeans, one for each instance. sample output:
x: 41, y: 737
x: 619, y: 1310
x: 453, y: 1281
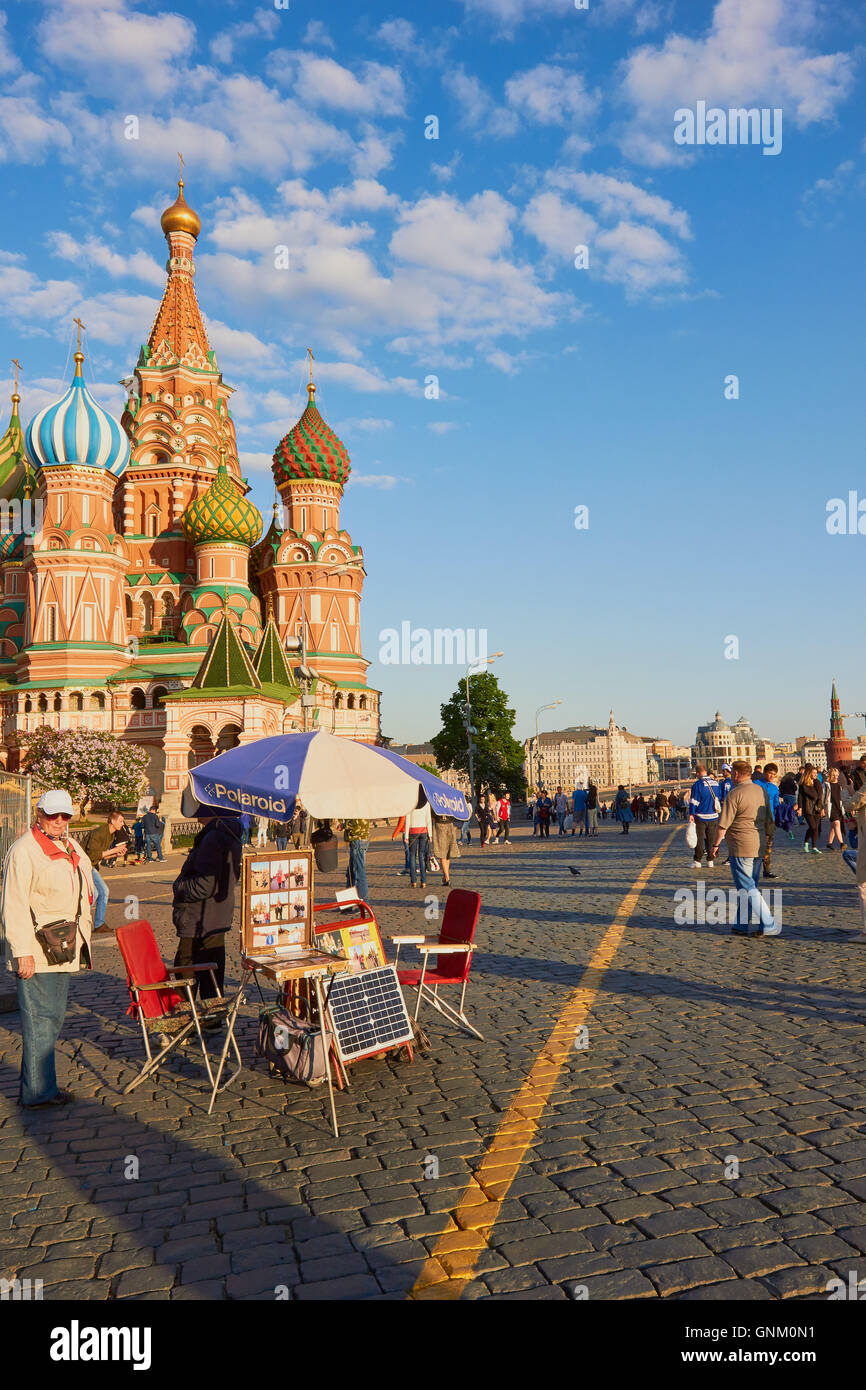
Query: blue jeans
x: 153, y: 842
x: 356, y: 873
x: 560, y: 816
x: 418, y: 857
x: 101, y: 899
x: 282, y: 842
x: 746, y: 873
x: 465, y: 836
x: 850, y: 857
x: 42, y: 1002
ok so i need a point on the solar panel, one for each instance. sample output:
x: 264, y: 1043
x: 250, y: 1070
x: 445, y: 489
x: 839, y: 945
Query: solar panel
x: 368, y: 1013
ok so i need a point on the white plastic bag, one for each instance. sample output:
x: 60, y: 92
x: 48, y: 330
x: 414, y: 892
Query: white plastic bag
x: 691, y: 835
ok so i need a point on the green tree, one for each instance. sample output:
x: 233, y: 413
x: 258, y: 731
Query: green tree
x: 92, y: 766
x: 498, y: 755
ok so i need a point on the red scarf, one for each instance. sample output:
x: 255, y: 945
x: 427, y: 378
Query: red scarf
x: 52, y: 849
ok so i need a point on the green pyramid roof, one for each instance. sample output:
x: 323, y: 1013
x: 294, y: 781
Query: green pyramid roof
x: 270, y: 659
x: 225, y: 663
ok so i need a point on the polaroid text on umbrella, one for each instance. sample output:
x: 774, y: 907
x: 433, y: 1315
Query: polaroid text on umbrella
x: 443, y: 646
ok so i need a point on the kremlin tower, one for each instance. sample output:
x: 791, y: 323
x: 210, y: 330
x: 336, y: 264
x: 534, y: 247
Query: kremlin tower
x: 134, y: 603
x: 838, y: 748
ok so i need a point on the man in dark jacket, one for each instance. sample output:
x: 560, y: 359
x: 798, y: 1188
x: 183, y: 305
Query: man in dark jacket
x: 204, y: 895
x: 153, y: 826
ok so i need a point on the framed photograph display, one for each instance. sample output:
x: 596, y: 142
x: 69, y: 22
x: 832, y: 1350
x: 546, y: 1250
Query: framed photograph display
x: 277, y: 905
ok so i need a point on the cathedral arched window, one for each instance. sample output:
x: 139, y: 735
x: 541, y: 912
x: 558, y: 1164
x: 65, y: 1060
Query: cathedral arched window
x: 76, y: 700
x: 157, y: 696
x: 99, y: 700
x: 229, y: 737
x: 28, y: 705
x: 137, y: 699
x: 147, y: 612
x: 350, y: 703
x: 58, y: 702
x: 43, y: 704
x: 362, y: 703
x: 129, y: 608
x: 338, y: 701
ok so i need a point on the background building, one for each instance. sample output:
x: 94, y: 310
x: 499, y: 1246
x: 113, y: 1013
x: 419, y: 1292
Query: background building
x: 719, y: 743
x: 569, y: 757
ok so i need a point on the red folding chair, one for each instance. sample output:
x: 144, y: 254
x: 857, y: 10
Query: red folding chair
x: 453, y: 953
x: 167, y: 1008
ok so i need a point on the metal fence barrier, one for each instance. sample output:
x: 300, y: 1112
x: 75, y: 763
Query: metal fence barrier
x: 18, y: 797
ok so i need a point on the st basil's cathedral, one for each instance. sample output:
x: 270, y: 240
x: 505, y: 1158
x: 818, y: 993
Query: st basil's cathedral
x: 148, y: 603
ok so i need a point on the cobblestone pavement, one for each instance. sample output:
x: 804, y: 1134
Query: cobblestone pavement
x: 708, y: 1142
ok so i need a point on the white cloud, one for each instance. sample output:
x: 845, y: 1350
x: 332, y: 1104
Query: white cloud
x: 318, y: 81
x: 264, y: 24
x: 617, y: 198
x: 477, y: 107
x: 95, y: 254
x: 550, y: 95
x: 398, y: 34
x: 366, y: 424
x: 819, y: 205
x: 628, y: 251
x: 27, y: 134
x: 385, y: 481
x: 255, y: 463
x: 744, y: 59
x: 509, y: 14
x: 464, y: 239
x: 9, y: 61
x: 235, y: 345
x: 366, y: 379
x: 316, y: 33
x: 109, y: 47
x: 443, y: 426
x: 644, y: 14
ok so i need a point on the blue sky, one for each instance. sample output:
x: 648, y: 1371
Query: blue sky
x: 454, y: 257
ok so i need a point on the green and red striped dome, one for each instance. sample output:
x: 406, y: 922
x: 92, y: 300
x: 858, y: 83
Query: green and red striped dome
x: 311, y: 450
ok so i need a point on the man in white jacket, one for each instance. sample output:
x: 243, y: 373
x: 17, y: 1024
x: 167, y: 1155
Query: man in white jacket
x: 47, y: 878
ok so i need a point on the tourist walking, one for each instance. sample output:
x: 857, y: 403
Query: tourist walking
x: 854, y: 803
x: 578, y: 811
x: 704, y: 808
x: 278, y: 831
x: 726, y: 782
x: 769, y: 781
x: 545, y: 806
x: 833, y: 809
x: 592, y: 808
x: 419, y: 828
x: 47, y: 882
x: 138, y: 835
x: 560, y: 806
x: 444, y: 844
x: 262, y: 833
x: 622, y: 809
x: 811, y: 802
x: 102, y: 846
x: 505, y: 818
x: 357, y: 836
x: 153, y: 826
x: 400, y: 833
x: 744, y: 818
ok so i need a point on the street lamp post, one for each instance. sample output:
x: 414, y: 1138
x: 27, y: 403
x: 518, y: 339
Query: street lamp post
x: 473, y: 670
x: 537, y: 744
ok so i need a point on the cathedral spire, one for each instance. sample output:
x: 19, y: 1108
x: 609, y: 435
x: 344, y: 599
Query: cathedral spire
x: 178, y: 334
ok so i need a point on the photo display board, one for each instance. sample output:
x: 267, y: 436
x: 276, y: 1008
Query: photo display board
x: 277, y: 903
x: 358, y: 940
x: 368, y: 1013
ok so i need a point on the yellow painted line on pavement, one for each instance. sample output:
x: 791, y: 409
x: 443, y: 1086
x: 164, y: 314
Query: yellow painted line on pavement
x: 450, y: 1267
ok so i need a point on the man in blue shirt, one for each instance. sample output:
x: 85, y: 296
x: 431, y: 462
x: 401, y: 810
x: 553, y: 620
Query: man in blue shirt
x: 578, y: 809
x: 769, y: 780
x: 704, y: 809
x: 726, y: 782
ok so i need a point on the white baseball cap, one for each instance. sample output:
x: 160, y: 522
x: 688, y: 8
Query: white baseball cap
x: 56, y: 803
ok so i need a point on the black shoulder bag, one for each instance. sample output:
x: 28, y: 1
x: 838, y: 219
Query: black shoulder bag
x: 58, y: 939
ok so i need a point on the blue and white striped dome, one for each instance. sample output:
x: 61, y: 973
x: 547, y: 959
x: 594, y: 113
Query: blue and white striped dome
x: 77, y: 430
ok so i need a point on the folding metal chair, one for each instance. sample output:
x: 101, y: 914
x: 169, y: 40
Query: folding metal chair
x: 166, y: 1007
x: 453, y: 950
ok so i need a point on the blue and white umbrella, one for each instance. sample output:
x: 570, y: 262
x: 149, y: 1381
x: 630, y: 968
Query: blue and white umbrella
x: 333, y: 777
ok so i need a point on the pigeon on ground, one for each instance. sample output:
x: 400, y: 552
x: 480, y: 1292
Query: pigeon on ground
x: 572, y: 869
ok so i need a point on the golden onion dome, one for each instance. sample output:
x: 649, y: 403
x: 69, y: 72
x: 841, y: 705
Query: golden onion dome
x: 180, y: 217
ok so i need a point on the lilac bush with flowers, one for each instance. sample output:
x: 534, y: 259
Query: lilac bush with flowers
x: 90, y: 765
